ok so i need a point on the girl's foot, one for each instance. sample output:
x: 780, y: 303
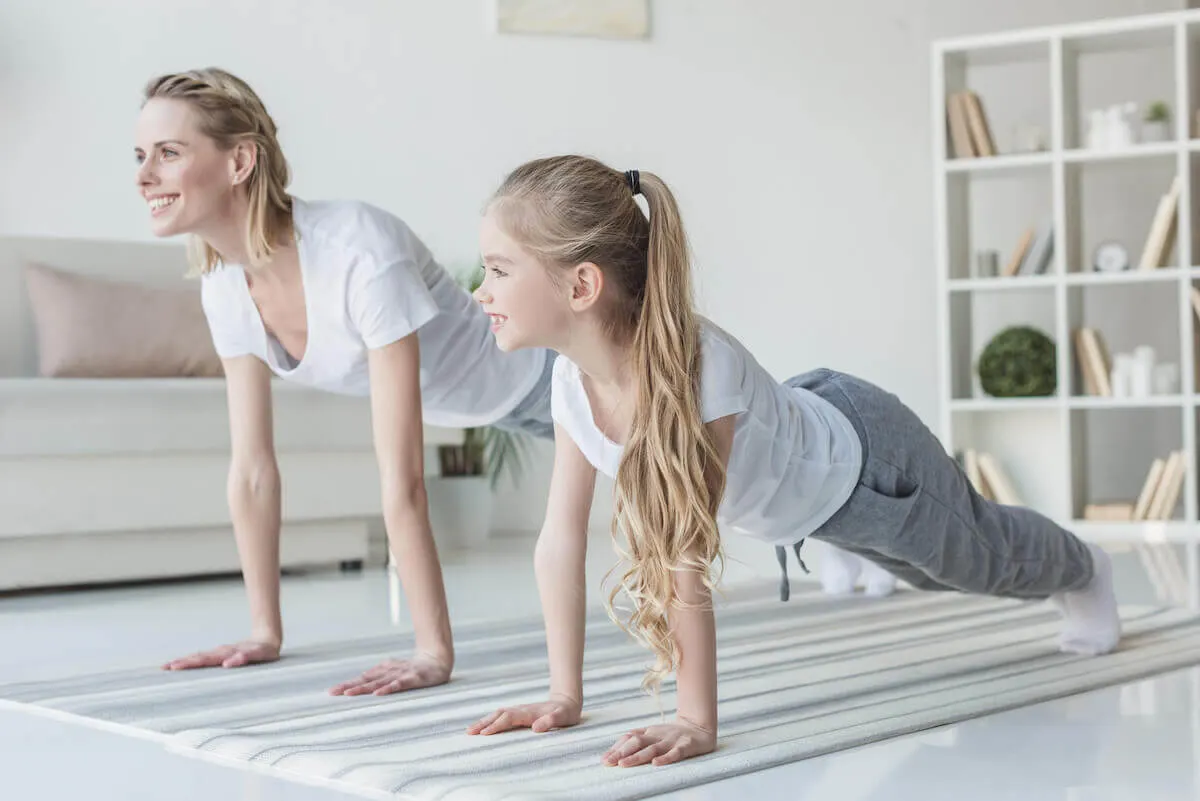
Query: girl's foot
x: 1091, y: 623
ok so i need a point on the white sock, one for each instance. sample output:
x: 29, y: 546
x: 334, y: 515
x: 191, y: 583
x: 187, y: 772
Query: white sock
x: 879, y: 582
x: 1091, y: 624
x: 839, y: 571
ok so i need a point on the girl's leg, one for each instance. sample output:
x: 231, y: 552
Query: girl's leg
x: 915, y: 506
x: 842, y: 570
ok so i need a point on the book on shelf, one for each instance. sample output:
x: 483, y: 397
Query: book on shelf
x: 1156, y: 501
x: 1108, y: 512
x: 1018, y: 255
x: 960, y: 130
x: 970, y: 132
x: 1033, y: 252
x: 1160, y: 240
x: 988, y: 478
x: 1161, y: 489
x: 1095, y: 362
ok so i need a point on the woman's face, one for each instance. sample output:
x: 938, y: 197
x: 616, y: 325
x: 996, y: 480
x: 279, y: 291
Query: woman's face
x: 188, y: 183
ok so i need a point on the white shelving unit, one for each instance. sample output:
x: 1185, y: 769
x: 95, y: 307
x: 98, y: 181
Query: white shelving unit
x: 1070, y: 449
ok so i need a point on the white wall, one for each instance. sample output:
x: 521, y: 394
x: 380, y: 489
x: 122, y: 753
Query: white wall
x: 796, y: 135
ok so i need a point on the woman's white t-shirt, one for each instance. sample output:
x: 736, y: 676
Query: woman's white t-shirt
x: 369, y: 281
x: 795, y: 458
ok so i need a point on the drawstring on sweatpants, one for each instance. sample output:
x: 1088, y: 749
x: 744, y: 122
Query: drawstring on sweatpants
x: 785, y: 589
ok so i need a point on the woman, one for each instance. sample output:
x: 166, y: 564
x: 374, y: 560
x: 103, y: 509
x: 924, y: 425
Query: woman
x: 339, y: 296
x: 699, y: 438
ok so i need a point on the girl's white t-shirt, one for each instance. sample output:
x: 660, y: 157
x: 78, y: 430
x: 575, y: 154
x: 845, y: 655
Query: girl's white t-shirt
x: 795, y: 458
x: 369, y: 281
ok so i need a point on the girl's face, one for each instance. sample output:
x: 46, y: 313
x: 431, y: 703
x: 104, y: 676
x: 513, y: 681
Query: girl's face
x: 186, y: 180
x: 529, y: 305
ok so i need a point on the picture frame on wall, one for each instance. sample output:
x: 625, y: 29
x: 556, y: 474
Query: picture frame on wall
x: 610, y: 19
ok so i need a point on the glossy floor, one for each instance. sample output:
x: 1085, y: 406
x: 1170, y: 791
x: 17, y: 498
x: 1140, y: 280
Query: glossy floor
x: 1139, y: 741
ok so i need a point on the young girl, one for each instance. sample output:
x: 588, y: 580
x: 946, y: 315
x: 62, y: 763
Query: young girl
x: 340, y: 296
x: 699, y: 436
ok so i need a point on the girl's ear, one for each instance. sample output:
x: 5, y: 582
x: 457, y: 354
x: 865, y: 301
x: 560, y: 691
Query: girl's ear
x: 587, y: 282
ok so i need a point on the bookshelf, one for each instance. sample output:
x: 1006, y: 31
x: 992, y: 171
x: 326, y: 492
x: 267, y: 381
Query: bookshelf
x: 1026, y: 193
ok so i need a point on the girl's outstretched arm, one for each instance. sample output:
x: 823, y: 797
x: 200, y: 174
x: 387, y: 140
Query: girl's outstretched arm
x: 559, y: 559
x: 694, y: 730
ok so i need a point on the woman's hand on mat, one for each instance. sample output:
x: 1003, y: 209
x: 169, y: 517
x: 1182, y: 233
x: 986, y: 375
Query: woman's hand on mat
x: 556, y: 713
x: 397, y: 675
x: 660, y: 745
x: 247, y: 652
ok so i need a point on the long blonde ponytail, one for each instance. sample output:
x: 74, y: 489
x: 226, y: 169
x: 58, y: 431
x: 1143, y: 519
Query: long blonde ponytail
x: 569, y: 210
x: 671, y: 479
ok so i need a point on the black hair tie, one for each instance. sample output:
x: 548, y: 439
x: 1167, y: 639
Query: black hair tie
x: 634, y: 180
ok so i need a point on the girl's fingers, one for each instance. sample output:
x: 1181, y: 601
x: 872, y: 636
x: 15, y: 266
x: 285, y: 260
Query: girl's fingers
x: 482, y: 724
x: 628, y: 744
x: 502, y: 723
x: 644, y: 755
x: 674, y: 755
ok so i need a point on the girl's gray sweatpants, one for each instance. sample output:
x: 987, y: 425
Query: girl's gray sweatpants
x: 916, y: 514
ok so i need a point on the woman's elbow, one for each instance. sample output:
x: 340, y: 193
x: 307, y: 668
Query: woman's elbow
x: 253, y: 478
x: 404, y: 494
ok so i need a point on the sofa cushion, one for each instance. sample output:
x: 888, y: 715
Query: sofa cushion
x: 90, y: 327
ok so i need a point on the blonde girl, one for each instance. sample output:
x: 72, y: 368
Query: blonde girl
x: 701, y: 441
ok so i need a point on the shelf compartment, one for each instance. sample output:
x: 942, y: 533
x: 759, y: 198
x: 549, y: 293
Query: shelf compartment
x: 1025, y: 444
x: 1114, y: 450
x: 982, y: 316
x: 1001, y: 214
x: 1113, y: 69
x: 1123, y: 321
x: 1118, y: 203
x: 985, y: 122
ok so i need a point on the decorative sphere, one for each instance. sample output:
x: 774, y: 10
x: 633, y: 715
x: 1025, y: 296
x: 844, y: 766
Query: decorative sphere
x: 1019, y: 362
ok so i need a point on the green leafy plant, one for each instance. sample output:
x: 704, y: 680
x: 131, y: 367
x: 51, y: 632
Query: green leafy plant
x: 485, y: 449
x: 1019, y: 362
x: 1158, y: 111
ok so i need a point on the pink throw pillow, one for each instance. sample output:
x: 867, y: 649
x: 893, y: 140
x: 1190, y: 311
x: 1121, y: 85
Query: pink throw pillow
x: 101, y: 328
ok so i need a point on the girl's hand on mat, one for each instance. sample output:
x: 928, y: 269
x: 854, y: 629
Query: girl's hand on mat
x: 247, y: 652
x: 553, y: 714
x: 396, y: 675
x: 660, y: 745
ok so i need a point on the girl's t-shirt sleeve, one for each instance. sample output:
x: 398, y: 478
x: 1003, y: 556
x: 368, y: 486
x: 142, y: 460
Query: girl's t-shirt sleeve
x: 722, y: 380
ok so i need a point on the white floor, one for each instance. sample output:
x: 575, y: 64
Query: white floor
x: 1140, y: 741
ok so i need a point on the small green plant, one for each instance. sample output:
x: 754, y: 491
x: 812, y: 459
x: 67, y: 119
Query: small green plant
x: 485, y: 449
x: 1019, y: 362
x: 1158, y: 111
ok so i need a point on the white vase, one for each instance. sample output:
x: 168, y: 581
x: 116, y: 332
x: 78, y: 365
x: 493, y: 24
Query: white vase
x: 460, y: 510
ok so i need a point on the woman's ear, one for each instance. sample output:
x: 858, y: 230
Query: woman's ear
x: 244, y: 156
x: 587, y: 282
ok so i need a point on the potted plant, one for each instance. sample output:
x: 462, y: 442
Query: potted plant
x: 460, y: 501
x: 1156, y: 124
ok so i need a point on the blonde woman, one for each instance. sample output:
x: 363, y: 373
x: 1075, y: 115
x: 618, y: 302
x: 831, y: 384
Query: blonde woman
x: 698, y: 436
x: 340, y: 296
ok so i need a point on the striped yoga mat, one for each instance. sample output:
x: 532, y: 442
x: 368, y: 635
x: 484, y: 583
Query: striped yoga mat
x: 798, y: 679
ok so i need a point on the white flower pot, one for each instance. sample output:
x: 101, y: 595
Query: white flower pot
x: 1156, y: 131
x: 460, y: 511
